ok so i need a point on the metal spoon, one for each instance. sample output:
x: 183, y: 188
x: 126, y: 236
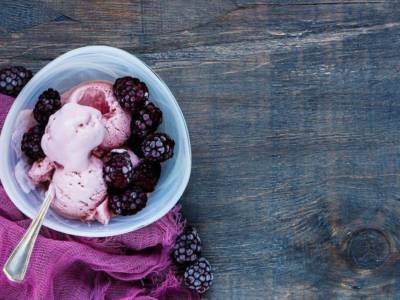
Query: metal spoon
x: 17, y: 264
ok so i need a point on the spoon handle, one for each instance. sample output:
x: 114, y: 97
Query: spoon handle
x: 17, y: 264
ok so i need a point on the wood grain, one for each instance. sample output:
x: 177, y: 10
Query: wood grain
x: 293, y: 110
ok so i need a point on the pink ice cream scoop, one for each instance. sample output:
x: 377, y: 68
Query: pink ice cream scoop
x: 99, y: 94
x: 82, y: 194
x: 71, y: 134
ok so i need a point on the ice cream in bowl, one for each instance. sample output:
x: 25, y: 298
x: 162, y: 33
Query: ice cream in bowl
x: 100, y: 133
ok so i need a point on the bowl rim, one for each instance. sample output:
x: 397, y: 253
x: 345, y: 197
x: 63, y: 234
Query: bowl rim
x: 4, y: 146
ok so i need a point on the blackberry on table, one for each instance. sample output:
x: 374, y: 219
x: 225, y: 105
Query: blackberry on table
x: 117, y: 169
x: 130, y: 92
x: 31, y: 143
x: 49, y: 102
x: 146, y: 175
x: 146, y: 120
x: 128, y: 202
x: 13, y: 79
x: 188, y: 246
x: 199, y: 276
x: 158, y: 147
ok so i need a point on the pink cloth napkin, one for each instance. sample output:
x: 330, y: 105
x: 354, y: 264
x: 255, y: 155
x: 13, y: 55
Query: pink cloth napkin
x: 135, y: 265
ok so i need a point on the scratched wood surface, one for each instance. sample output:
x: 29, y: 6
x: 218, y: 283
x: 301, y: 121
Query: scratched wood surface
x: 294, y: 112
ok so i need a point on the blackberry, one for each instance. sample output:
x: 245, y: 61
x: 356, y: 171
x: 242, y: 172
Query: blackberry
x: 49, y: 102
x: 13, y: 79
x: 130, y: 92
x: 158, y: 147
x: 199, y: 276
x: 188, y: 246
x: 146, y: 175
x: 128, y: 202
x: 135, y: 143
x: 31, y: 143
x: 117, y: 169
x: 146, y: 120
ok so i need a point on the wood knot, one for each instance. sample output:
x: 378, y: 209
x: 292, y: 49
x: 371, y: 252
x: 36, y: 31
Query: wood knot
x: 368, y: 248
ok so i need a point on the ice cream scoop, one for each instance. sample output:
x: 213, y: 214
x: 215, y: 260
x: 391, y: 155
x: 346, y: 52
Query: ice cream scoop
x: 99, y: 95
x: 71, y: 134
x: 79, y: 193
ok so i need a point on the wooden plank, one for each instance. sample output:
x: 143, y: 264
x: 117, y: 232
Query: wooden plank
x: 23, y: 14
x: 293, y: 113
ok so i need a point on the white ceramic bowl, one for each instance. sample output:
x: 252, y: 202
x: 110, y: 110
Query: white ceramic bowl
x: 107, y: 63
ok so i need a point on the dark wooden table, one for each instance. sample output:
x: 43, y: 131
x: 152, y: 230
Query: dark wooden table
x: 294, y: 112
